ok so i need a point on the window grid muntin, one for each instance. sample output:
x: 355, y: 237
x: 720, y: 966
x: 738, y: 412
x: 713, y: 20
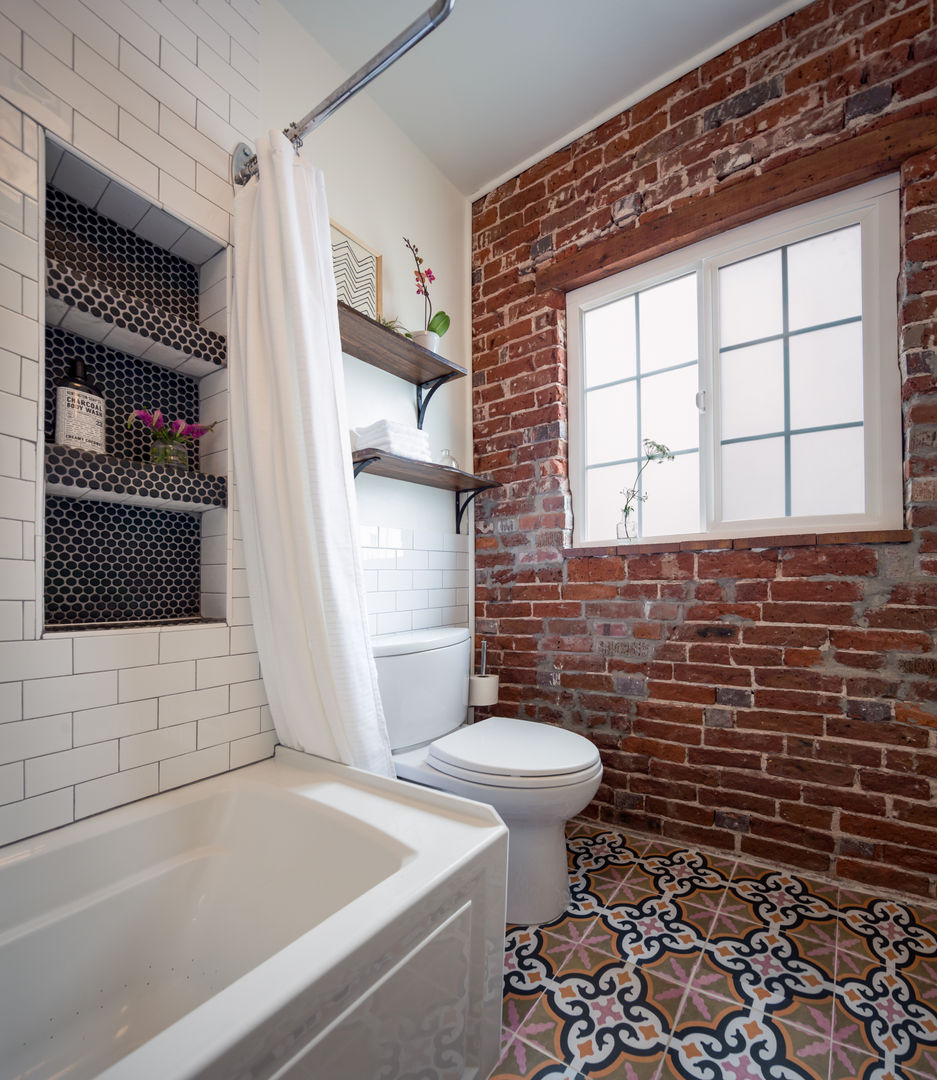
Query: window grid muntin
x: 638, y: 378
x: 784, y: 337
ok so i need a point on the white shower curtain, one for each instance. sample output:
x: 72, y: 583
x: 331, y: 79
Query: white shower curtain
x: 295, y: 489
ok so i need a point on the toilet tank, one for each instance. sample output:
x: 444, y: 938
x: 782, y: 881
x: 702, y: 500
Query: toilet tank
x: 423, y: 678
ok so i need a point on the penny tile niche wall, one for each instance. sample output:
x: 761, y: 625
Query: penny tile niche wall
x: 140, y: 298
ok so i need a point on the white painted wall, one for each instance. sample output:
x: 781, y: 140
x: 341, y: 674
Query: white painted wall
x: 381, y: 188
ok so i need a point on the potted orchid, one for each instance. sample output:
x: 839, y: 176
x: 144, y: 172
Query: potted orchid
x: 434, y: 325
x: 171, y: 440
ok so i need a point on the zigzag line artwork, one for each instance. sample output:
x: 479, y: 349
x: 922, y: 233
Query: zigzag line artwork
x: 357, y: 273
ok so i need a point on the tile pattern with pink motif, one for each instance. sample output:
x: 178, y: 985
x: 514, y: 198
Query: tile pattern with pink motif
x: 672, y: 964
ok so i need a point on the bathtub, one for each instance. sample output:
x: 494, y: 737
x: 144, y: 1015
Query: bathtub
x: 292, y: 919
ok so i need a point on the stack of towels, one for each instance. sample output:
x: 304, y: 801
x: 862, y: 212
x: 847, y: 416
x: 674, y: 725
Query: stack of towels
x: 392, y: 438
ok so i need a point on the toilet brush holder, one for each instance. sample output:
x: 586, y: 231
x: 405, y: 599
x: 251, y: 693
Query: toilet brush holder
x: 483, y: 689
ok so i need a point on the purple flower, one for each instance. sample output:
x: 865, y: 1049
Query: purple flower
x: 177, y: 431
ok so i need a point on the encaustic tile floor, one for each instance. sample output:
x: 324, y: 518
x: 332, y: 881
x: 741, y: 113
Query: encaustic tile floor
x: 674, y: 963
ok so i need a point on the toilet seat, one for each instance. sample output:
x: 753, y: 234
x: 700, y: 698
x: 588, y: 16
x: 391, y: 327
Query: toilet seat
x: 502, y: 751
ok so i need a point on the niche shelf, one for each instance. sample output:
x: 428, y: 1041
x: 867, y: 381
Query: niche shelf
x: 128, y: 290
x: 78, y: 474
x: 465, y: 485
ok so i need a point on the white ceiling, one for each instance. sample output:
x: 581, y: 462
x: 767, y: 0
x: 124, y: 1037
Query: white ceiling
x: 502, y: 82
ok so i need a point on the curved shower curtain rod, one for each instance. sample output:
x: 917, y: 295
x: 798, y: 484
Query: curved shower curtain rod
x: 244, y: 163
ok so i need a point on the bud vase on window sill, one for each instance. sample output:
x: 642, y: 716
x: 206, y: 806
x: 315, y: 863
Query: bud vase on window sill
x: 623, y: 529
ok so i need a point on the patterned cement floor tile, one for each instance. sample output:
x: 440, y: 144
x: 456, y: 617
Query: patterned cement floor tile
x: 607, y: 1022
x: 716, y: 1040
x: 886, y: 930
x: 521, y: 1061
x: 848, y: 1063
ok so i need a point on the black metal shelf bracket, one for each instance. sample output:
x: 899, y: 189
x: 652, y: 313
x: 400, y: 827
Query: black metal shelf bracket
x: 462, y: 504
x: 358, y: 466
x: 422, y: 401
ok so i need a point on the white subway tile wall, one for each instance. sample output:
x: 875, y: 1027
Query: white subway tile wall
x: 414, y: 579
x: 155, y: 93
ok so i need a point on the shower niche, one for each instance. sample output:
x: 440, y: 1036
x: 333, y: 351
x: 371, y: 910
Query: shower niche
x: 140, y: 297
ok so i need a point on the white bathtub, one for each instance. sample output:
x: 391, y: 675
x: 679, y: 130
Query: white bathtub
x: 294, y: 918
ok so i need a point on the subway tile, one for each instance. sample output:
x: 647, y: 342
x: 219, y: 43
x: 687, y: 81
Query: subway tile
x: 10, y: 362
x: 149, y: 746
x: 61, y: 80
x: 11, y: 208
x: 36, y: 659
x: 18, y: 419
x: 394, y: 579
x: 368, y: 536
x: 379, y: 558
x: 19, y: 334
x: 214, y: 605
x: 31, y: 138
x: 236, y: 25
x: 136, y: 32
x: 11, y: 622
x: 210, y: 124
x: 227, y: 669
x: 428, y: 541
x: 87, y: 27
x: 440, y: 597
x: 30, y: 738
x: 162, y: 153
x: 30, y: 219
x: 456, y: 542
x: 166, y: 25
x: 193, y: 644
x: 455, y: 616
x: 242, y: 640
x: 19, y: 253
x: 411, y: 600
x: 162, y: 86
x: 240, y: 614
x: 11, y: 41
x: 395, y: 538
x: 455, y: 579
x: 376, y: 602
x: 189, y: 75
x: 111, y: 651
x: 228, y: 77
x: 35, y: 100
x: 202, y: 24
x: 427, y: 617
x: 233, y: 725
x: 246, y: 695
x: 253, y: 748
x: 30, y: 816
x: 11, y: 124
x: 214, y: 549
x: 239, y: 583
x: 30, y: 623
x: 247, y: 64
x: 41, y: 27
x: 18, y: 170
x: 70, y: 767
x: 192, y: 142
x: 17, y: 579
x: 194, y: 208
x: 393, y: 622
x: 113, y: 721
x: 11, y: 700
x: 412, y: 560
x: 9, y: 453
x: 11, y: 782
x: 117, y: 86
x: 43, y: 697
x: 266, y: 718
x: 191, y: 767
x: 214, y: 578
x: 94, y: 796
x: 177, y: 709
x: 116, y: 158
x: 156, y: 680
x: 11, y: 541
x: 427, y: 579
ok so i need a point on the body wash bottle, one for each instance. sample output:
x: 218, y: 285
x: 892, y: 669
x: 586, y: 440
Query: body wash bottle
x: 79, y: 411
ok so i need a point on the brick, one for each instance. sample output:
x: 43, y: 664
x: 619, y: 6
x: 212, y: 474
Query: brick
x: 845, y: 561
x: 811, y: 770
x: 886, y: 877
x: 774, y: 851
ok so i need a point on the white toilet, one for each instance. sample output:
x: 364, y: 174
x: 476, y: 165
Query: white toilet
x: 537, y: 777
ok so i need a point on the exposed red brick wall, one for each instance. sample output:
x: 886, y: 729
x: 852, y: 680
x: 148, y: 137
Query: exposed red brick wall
x: 777, y: 699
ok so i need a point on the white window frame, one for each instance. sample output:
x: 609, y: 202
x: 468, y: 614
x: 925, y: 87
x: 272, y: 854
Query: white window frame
x: 874, y: 206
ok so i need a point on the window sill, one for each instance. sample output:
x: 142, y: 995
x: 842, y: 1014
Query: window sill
x: 881, y: 536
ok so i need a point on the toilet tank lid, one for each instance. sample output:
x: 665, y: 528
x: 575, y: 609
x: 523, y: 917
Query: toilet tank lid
x: 412, y: 641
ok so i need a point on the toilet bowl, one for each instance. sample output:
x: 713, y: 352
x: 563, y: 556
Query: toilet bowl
x: 537, y: 777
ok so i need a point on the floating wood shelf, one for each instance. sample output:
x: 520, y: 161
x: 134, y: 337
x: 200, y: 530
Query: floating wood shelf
x: 465, y: 485
x: 78, y: 474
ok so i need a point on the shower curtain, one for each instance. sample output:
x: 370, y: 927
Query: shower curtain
x: 295, y: 489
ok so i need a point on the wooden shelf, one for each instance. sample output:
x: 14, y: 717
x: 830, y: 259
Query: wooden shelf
x: 465, y: 485
x: 390, y: 351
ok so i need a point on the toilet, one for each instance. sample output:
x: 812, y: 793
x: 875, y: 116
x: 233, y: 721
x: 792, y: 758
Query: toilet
x: 537, y: 777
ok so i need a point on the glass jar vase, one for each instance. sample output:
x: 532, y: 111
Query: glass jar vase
x: 174, y: 455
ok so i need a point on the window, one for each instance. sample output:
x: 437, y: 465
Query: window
x: 765, y: 359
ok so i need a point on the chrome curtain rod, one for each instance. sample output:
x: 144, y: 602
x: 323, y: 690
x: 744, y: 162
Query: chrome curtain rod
x: 245, y: 161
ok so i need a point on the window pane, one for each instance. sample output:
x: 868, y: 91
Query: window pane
x: 669, y: 333
x: 672, y: 489
x: 752, y: 390
x: 750, y: 302
x: 753, y: 480
x: 611, y: 424
x: 609, y: 342
x: 668, y: 408
x: 824, y: 278
x: 826, y: 376
x: 828, y: 472
x: 603, y: 490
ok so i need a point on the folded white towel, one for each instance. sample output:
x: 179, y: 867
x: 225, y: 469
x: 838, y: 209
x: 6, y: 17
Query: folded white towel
x: 388, y: 427
x: 407, y: 442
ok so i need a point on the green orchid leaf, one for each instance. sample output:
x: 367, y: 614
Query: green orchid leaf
x: 439, y: 323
